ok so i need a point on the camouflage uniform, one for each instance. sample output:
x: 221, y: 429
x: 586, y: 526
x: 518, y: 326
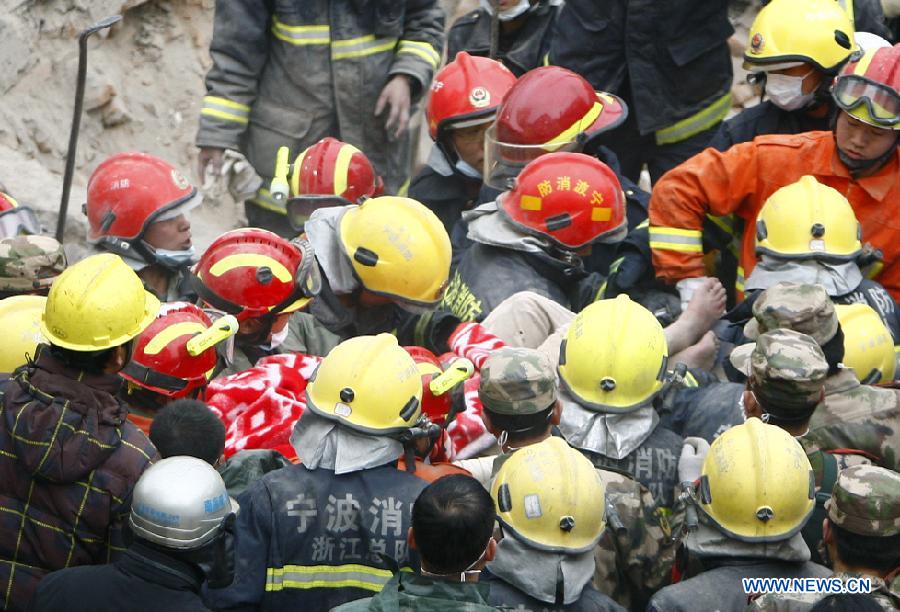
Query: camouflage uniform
x: 636, y: 552
x: 852, y: 416
x: 865, y: 501
x: 29, y: 264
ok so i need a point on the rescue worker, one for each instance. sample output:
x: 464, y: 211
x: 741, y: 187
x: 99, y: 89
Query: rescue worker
x: 796, y: 49
x: 859, y: 159
x: 69, y: 458
x: 807, y: 233
x: 348, y: 69
x: 183, y: 521
x: 15, y: 219
x: 188, y: 427
x: 329, y: 173
x: 610, y: 396
x: 678, y: 90
x: 545, y: 557
x: 316, y: 535
x: 137, y: 207
x: 29, y: 264
x: 462, y: 104
x: 20, y: 316
x: 533, y: 237
x: 519, y: 394
x: 453, y: 532
x: 852, y: 415
x: 525, y: 32
x: 862, y: 538
x: 174, y: 357
x: 384, y: 266
x: 786, y: 382
x: 262, y: 280
x: 752, y: 495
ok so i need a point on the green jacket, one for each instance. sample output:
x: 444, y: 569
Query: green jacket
x: 407, y: 591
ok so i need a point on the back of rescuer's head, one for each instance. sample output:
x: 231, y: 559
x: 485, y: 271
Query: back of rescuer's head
x: 93, y: 312
x: 452, y: 524
x: 188, y: 427
x: 518, y: 391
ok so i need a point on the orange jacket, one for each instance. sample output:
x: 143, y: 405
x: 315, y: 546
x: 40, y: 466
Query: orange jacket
x: 741, y: 179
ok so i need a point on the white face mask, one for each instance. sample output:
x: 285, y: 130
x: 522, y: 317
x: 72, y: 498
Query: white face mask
x: 510, y: 13
x: 786, y: 91
x: 277, y: 339
x: 175, y: 259
x: 467, y: 169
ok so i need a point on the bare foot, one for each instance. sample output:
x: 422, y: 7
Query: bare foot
x: 706, y: 306
x: 700, y: 355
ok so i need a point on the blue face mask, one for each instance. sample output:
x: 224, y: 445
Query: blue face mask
x: 467, y: 169
x: 175, y: 259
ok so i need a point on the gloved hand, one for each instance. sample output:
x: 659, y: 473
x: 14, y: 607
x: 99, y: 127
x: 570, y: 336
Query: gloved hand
x: 690, y: 463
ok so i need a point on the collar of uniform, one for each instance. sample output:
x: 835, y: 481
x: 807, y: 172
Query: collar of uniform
x: 841, y: 382
x: 878, y: 185
x: 417, y: 585
x: 156, y: 566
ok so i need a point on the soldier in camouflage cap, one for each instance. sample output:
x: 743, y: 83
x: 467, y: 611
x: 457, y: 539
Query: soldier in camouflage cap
x: 861, y: 537
x: 517, y: 381
x: 786, y: 375
x: 29, y: 264
x: 866, y: 501
x: 803, y: 308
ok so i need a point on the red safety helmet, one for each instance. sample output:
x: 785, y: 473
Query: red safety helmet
x: 867, y: 88
x: 466, y: 92
x: 330, y: 173
x: 16, y: 220
x: 253, y: 272
x: 128, y: 192
x: 548, y: 109
x: 571, y: 198
x: 165, y: 361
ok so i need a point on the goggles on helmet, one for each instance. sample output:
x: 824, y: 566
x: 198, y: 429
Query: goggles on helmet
x: 882, y: 101
x: 504, y: 161
x: 17, y: 221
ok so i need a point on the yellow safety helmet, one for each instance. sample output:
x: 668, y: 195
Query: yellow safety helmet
x: 756, y: 484
x: 787, y: 32
x: 369, y: 384
x: 97, y: 304
x: 614, y: 356
x: 20, y: 316
x: 398, y: 249
x: 868, y: 345
x: 550, y: 497
x: 808, y: 220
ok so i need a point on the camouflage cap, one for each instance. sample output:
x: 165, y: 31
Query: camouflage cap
x: 866, y: 501
x: 30, y: 263
x: 517, y: 381
x: 787, y: 372
x: 803, y: 308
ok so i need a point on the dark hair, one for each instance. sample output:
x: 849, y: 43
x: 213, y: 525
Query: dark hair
x: 834, y: 351
x: 878, y: 553
x: 847, y: 602
x: 188, y: 427
x: 92, y: 362
x: 520, y: 427
x: 452, y: 520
